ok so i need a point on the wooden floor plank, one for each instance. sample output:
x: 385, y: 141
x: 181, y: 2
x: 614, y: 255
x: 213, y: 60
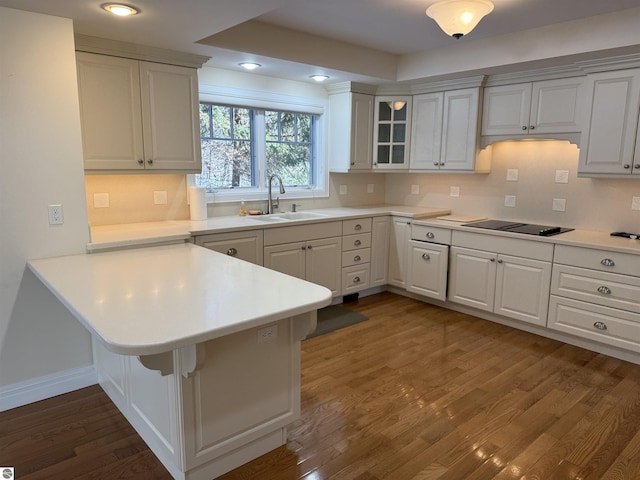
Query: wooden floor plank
x: 416, y: 392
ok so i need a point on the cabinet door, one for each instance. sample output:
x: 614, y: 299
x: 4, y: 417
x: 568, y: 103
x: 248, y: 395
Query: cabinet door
x: 427, y: 269
x: 556, y: 106
x: 506, y: 109
x: 288, y: 258
x: 361, y: 131
x: 391, y: 133
x: 398, y: 245
x: 609, y: 136
x: 170, y: 117
x: 323, y: 263
x: 472, y: 278
x: 110, y: 115
x: 246, y: 246
x: 426, y: 131
x: 379, y: 251
x: 460, y: 129
x: 522, y: 289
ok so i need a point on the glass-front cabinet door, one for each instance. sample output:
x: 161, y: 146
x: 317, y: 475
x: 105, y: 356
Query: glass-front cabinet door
x: 392, y: 127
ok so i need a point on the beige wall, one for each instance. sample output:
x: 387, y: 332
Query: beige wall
x: 41, y: 164
x: 594, y: 204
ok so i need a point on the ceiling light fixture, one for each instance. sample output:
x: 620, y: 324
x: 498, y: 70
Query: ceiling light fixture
x: 459, y: 17
x: 120, y: 9
x: 249, y: 65
x: 319, y: 78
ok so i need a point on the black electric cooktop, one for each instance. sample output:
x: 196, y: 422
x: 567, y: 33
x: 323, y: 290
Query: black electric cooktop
x: 517, y: 227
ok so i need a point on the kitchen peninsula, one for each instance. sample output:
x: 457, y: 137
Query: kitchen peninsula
x: 199, y: 351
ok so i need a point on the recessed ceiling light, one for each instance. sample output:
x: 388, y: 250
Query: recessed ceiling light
x: 319, y: 78
x: 249, y: 65
x: 120, y: 9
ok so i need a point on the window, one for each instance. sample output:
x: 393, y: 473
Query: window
x: 242, y: 146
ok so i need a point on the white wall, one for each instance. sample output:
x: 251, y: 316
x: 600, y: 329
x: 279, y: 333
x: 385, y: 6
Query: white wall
x: 41, y: 164
x: 592, y: 204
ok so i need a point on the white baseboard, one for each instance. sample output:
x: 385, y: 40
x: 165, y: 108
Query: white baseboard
x: 23, y: 393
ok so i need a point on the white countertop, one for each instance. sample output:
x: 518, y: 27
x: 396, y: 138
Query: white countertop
x: 157, y: 299
x: 109, y: 237
x: 577, y: 238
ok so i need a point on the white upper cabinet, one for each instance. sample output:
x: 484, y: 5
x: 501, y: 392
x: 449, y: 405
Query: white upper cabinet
x: 350, y: 131
x: 445, y: 131
x: 610, y: 142
x: 137, y: 115
x: 545, y: 107
x: 391, y: 132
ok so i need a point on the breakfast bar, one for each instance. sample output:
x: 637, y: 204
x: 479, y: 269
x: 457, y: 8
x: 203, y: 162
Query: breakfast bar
x: 199, y: 351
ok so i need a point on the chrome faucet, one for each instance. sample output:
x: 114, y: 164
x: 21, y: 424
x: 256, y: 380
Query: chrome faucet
x: 270, y: 205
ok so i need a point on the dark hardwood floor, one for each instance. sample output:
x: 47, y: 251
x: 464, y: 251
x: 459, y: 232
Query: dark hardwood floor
x: 415, y: 393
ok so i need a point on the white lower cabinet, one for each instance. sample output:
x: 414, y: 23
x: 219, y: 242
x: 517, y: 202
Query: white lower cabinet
x: 427, y: 269
x: 399, y: 235
x: 379, y: 251
x: 246, y: 246
x: 596, y: 295
x: 512, y: 278
x: 317, y: 261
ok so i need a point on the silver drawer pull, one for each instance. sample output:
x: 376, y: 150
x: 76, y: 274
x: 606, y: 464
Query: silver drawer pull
x: 232, y: 252
x: 357, y: 243
x: 600, y: 325
x: 358, y: 227
x: 605, y: 290
x: 426, y: 256
x: 357, y: 258
x: 356, y: 280
x: 430, y: 235
x: 607, y: 262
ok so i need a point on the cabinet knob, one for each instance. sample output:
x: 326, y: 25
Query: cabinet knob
x: 357, y: 243
x: 627, y: 166
x: 499, y: 261
x: 600, y: 325
x: 356, y: 280
x: 232, y: 252
x: 310, y: 247
x: 436, y: 163
x: 150, y: 161
x: 532, y: 127
x: 607, y: 262
x: 637, y: 165
x: 352, y: 163
x: 357, y: 258
x: 604, y: 290
x: 442, y: 164
x: 524, y: 128
x: 140, y: 161
x: 430, y: 235
x: 492, y: 259
x: 426, y: 256
x: 303, y: 247
x: 358, y: 227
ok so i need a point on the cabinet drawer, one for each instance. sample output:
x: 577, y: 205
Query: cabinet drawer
x: 358, y: 225
x: 602, y: 288
x: 353, y: 242
x: 595, y: 322
x: 431, y: 234
x: 355, y: 278
x: 616, y: 262
x: 356, y: 257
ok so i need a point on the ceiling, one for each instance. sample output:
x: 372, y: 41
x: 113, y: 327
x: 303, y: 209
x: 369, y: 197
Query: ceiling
x: 359, y: 40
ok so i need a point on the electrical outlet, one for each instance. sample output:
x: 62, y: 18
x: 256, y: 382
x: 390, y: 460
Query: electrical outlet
x: 512, y: 175
x: 509, y: 200
x: 415, y: 189
x: 370, y: 187
x: 454, y: 191
x: 55, y: 215
x: 160, y: 197
x: 562, y: 176
x: 559, y: 204
x: 343, y: 189
x: 268, y: 333
x: 635, y: 203
x: 100, y: 200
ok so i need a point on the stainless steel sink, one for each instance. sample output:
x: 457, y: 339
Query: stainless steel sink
x: 288, y: 216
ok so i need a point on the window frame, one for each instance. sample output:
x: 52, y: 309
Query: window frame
x: 258, y: 100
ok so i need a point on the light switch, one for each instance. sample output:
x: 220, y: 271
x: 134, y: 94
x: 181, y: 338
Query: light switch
x: 415, y: 189
x: 562, y: 176
x: 559, y: 204
x: 509, y: 200
x: 343, y: 189
x: 370, y: 187
x: 100, y: 200
x: 512, y: 175
x: 160, y: 197
x: 454, y: 191
x: 635, y: 203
